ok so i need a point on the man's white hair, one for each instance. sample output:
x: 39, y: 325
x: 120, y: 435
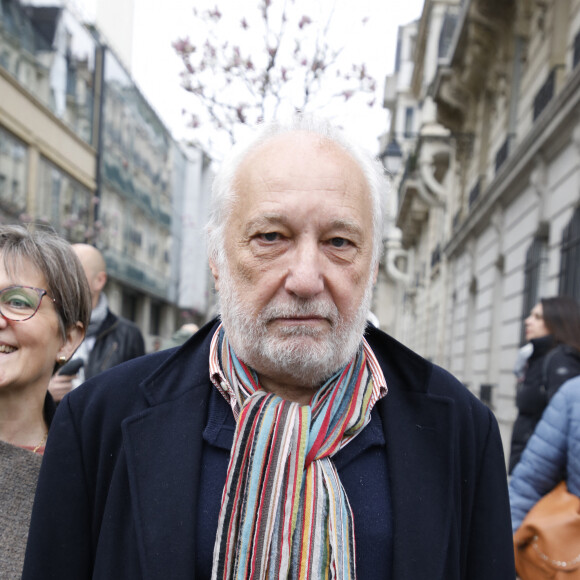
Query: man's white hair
x: 224, y: 184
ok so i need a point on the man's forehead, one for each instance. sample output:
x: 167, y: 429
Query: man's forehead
x: 330, y: 220
x: 293, y: 144
x: 303, y: 161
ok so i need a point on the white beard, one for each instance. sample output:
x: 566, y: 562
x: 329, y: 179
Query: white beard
x: 305, y: 354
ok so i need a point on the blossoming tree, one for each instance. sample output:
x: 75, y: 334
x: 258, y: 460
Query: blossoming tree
x: 243, y: 68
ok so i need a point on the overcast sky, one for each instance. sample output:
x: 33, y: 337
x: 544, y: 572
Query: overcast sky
x: 156, y: 67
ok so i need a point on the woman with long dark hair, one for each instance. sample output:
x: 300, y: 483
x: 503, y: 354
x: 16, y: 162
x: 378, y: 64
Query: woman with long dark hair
x: 553, y: 329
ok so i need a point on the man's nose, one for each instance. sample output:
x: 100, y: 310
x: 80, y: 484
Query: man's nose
x: 305, y: 276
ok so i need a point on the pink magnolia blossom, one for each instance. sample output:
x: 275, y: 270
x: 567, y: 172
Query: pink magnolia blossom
x: 214, y: 14
x: 183, y: 46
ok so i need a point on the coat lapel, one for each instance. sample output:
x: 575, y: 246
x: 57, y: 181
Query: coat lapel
x: 164, y: 447
x: 421, y: 440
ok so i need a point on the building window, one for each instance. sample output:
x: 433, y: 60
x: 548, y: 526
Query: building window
x: 129, y: 306
x: 534, y: 276
x: 502, y: 154
x: 474, y: 192
x: 436, y: 256
x: 570, y: 258
x: 13, y: 175
x: 409, y: 113
x: 155, y: 319
x: 545, y: 94
x: 64, y: 203
x: 447, y: 31
x: 52, y: 55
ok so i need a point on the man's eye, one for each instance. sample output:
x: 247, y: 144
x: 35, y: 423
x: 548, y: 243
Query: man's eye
x: 270, y: 236
x: 339, y: 242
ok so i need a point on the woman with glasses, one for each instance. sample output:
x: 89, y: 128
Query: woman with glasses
x: 45, y: 307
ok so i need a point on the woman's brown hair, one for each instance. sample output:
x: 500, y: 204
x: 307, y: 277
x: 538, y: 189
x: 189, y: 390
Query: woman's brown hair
x: 562, y: 319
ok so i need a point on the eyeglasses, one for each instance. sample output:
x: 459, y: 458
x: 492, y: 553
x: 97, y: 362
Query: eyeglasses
x: 19, y: 303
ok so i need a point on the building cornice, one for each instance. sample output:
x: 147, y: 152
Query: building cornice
x: 550, y: 133
x: 464, y: 74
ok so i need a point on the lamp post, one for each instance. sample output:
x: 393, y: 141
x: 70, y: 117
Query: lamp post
x: 392, y: 157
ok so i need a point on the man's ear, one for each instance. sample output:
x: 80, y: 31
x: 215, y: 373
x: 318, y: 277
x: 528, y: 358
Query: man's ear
x: 215, y: 273
x: 100, y: 281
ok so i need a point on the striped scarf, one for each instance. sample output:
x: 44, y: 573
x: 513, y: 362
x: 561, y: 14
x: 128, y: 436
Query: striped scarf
x: 284, y: 512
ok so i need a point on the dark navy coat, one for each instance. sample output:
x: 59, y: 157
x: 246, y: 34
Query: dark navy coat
x: 118, y: 489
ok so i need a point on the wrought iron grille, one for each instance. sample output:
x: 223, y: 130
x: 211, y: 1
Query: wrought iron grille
x: 569, y: 283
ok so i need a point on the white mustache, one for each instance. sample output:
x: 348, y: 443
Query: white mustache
x: 318, y: 309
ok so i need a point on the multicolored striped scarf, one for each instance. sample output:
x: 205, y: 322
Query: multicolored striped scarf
x: 284, y: 512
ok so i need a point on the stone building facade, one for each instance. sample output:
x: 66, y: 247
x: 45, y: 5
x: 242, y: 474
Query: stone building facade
x: 82, y: 151
x: 488, y: 210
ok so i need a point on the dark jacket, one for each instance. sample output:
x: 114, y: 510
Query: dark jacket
x: 548, y: 367
x: 118, y: 340
x: 118, y: 489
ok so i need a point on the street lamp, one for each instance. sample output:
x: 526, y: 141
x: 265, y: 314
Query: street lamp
x: 392, y: 157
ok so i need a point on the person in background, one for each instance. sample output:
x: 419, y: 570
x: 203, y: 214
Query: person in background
x: 551, y: 455
x: 45, y: 307
x: 183, y: 333
x: 110, y: 339
x: 290, y: 439
x: 553, y: 329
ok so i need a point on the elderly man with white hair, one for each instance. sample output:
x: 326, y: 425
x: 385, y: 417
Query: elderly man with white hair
x: 286, y: 439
